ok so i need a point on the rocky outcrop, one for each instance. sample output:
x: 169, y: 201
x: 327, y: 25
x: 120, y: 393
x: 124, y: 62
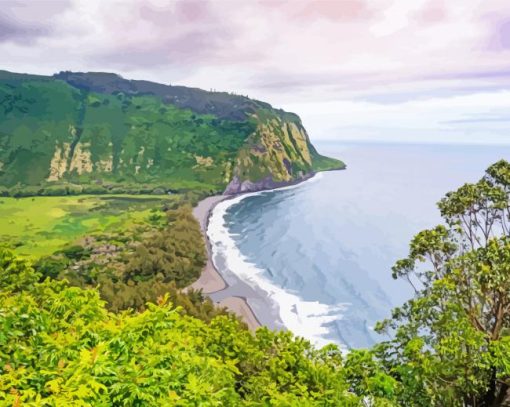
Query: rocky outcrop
x: 236, y: 186
x: 277, y: 154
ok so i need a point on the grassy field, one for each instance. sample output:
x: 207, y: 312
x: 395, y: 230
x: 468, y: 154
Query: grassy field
x: 41, y: 225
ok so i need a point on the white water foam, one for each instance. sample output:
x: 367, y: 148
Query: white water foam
x: 304, y: 318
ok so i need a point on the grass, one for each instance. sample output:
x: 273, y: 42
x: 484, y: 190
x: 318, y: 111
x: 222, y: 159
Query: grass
x: 39, y: 226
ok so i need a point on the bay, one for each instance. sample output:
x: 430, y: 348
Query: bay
x: 325, y: 248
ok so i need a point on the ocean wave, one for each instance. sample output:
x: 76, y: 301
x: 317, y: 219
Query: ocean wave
x: 308, y: 319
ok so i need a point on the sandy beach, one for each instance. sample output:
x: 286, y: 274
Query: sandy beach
x: 210, y: 281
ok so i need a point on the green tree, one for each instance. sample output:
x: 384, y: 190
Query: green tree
x: 16, y: 273
x: 451, y: 343
x: 176, y: 254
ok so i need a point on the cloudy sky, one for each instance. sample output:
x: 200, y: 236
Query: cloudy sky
x: 398, y: 70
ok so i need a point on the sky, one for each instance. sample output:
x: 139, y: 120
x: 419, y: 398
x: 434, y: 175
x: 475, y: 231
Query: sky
x: 379, y: 70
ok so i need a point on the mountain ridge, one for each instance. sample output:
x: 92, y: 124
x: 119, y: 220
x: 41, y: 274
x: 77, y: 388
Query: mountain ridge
x: 98, y: 132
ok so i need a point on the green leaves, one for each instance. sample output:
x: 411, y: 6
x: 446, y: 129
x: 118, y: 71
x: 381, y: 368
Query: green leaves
x: 446, y: 338
x: 367, y: 376
x: 15, y: 273
x: 59, y: 346
x: 500, y: 173
x: 177, y: 253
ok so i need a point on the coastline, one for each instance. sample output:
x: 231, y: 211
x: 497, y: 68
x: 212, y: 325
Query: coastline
x: 211, y: 281
x: 223, y: 289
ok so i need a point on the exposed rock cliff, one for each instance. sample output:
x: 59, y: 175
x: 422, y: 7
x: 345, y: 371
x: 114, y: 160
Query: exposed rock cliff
x: 277, y: 153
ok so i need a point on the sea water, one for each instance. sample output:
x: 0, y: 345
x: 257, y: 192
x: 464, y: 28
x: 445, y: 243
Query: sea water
x: 321, y: 252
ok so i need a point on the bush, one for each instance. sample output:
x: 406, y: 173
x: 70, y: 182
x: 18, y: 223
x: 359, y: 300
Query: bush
x: 60, y: 346
x: 75, y: 252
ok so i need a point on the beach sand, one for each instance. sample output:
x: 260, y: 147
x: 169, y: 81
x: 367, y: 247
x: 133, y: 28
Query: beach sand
x: 210, y: 281
x: 240, y: 307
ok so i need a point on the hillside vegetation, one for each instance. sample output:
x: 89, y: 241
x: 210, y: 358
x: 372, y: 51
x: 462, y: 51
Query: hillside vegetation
x: 448, y: 346
x: 93, y: 305
x: 95, y: 133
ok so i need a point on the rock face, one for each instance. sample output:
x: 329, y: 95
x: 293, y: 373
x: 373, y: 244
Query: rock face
x: 277, y: 153
x: 93, y: 129
x: 236, y: 186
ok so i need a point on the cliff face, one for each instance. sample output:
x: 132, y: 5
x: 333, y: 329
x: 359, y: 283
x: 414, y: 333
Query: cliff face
x: 100, y: 130
x: 277, y: 153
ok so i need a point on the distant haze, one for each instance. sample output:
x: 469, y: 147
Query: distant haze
x: 417, y: 70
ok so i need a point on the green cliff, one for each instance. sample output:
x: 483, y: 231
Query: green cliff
x: 98, y: 132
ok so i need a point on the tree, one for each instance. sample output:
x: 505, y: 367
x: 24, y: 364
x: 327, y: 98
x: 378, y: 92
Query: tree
x: 15, y: 273
x: 451, y: 342
x: 176, y: 254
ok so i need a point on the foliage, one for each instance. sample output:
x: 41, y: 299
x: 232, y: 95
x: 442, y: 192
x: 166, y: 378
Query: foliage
x: 16, y: 273
x: 135, y: 296
x: 59, y: 346
x: 132, y: 268
x: 451, y: 343
x: 367, y: 377
x: 175, y: 254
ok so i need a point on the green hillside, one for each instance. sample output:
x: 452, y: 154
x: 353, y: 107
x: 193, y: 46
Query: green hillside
x: 99, y: 133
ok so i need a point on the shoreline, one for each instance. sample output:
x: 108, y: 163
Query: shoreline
x: 210, y: 280
x: 215, y: 285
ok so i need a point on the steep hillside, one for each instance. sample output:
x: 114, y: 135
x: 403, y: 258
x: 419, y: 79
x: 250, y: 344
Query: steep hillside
x: 97, y: 132
x: 277, y: 153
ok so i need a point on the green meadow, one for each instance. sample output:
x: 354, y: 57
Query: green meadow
x: 39, y: 226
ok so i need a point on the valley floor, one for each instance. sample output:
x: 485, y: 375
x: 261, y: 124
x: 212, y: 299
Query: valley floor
x: 39, y: 226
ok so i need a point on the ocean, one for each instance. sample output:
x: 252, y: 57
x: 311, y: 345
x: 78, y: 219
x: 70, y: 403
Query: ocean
x: 316, y: 258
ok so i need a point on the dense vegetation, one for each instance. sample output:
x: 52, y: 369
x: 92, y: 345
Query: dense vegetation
x: 99, y: 133
x: 131, y: 269
x: 449, y: 346
x: 60, y: 346
x: 132, y: 248
x: 451, y: 343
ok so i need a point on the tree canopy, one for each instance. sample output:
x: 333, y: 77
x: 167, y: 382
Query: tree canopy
x: 59, y: 345
x: 451, y: 341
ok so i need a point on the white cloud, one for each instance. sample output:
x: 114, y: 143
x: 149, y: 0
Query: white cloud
x: 288, y: 53
x: 473, y: 118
